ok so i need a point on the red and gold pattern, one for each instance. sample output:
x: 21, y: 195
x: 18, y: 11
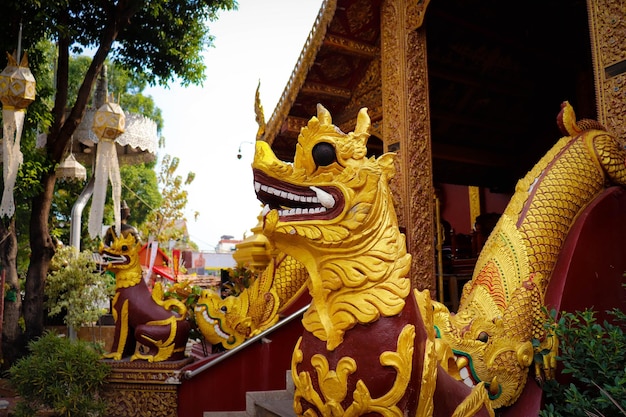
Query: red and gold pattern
x: 365, y: 343
x: 156, y: 323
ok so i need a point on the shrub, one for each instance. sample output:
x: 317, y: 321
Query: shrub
x: 60, y: 374
x: 75, y: 286
x: 593, y: 361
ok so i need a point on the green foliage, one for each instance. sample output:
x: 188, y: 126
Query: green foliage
x: 60, y: 374
x: 126, y: 87
x: 27, y: 185
x: 239, y: 278
x: 78, y: 66
x: 75, y: 286
x: 188, y: 294
x: 169, y: 37
x: 161, y: 222
x: 165, y: 38
x: 140, y: 191
x: 593, y: 360
x: 156, y: 42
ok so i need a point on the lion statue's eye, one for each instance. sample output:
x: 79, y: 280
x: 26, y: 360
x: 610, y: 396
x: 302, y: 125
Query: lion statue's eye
x: 224, y: 309
x: 324, y: 154
x: 124, y: 248
x: 483, y: 337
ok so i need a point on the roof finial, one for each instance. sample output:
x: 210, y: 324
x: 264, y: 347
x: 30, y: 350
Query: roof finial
x: 258, y: 110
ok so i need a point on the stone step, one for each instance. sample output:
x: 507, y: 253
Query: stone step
x: 261, y: 404
x: 277, y: 403
x: 275, y: 408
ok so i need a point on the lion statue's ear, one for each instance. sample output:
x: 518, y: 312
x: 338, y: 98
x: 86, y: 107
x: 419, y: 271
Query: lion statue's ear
x: 323, y: 115
x: 363, y: 122
x: 386, y: 164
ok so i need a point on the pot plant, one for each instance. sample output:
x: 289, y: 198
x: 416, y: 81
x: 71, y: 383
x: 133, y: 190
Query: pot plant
x: 76, y: 287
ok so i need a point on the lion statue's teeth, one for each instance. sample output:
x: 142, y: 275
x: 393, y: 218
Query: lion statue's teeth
x: 324, y: 198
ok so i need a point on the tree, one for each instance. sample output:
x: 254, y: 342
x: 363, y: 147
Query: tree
x: 161, y: 223
x: 28, y: 185
x: 61, y: 374
x: 157, y: 41
x: 140, y: 191
x: 140, y: 188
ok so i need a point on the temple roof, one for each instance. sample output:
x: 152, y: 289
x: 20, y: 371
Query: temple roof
x: 495, y: 83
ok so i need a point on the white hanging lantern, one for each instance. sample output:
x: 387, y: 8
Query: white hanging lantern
x: 17, y: 91
x: 108, y: 123
x: 71, y: 169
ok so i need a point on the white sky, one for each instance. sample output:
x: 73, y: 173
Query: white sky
x: 204, y: 126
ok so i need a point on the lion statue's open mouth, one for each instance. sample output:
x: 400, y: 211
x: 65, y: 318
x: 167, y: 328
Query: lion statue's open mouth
x: 297, y: 202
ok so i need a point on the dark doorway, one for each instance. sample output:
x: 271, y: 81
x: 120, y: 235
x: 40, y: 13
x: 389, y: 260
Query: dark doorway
x: 498, y: 72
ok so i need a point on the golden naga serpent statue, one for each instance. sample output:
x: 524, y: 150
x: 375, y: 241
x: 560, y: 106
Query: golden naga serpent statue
x: 233, y: 320
x: 490, y: 338
x: 372, y: 346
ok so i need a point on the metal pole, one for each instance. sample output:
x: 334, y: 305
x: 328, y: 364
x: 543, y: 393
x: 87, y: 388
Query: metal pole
x: 77, y: 212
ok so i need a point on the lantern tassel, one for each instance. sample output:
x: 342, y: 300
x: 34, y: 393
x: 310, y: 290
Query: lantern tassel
x: 107, y: 168
x: 12, y: 156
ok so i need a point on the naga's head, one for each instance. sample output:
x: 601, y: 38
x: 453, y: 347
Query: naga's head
x: 494, y: 349
x: 224, y: 321
x: 332, y: 210
x: 121, y: 256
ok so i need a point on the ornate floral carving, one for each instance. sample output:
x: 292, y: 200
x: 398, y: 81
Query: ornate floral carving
x: 392, y: 75
x: 366, y: 94
x: 131, y: 400
x: 356, y: 48
x: 322, y: 90
x: 143, y: 388
x: 419, y: 168
x: 334, y: 382
x: 608, y: 30
x: 405, y: 86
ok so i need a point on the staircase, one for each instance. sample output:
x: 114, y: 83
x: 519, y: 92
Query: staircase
x: 275, y: 403
x: 271, y: 403
x: 248, y: 380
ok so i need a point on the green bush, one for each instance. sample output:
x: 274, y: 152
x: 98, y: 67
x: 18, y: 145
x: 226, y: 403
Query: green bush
x: 593, y: 359
x: 64, y: 375
x: 76, y: 287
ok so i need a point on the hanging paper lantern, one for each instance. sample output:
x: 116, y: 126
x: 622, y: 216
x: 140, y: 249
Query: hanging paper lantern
x: 17, y: 91
x: 17, y: 84
x: 108, y: 123
x: 71, y: 169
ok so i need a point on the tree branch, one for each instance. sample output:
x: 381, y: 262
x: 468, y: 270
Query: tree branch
x: 118, y: 20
